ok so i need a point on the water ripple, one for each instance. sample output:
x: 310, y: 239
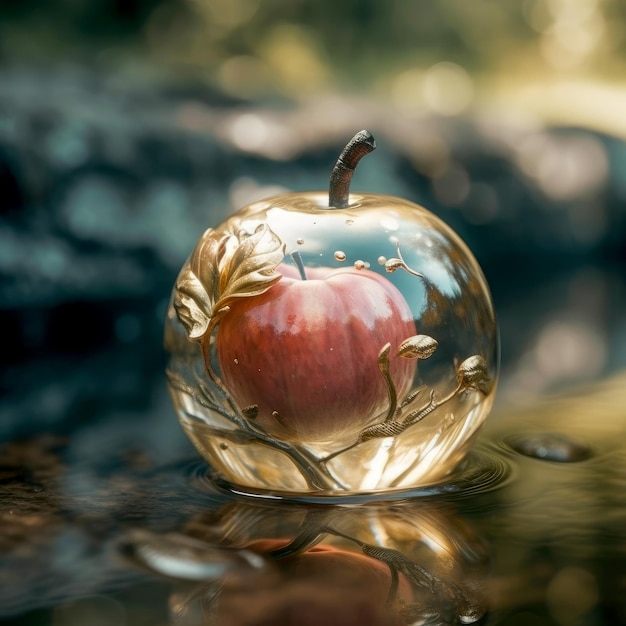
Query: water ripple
x: 487, y: 467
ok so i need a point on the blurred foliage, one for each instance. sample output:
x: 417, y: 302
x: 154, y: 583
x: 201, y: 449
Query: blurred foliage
x: 292, y: 47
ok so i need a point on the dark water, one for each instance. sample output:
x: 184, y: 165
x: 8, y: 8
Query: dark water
x: 513, y: 538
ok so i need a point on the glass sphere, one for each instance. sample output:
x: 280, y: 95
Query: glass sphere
x: 332, y: 351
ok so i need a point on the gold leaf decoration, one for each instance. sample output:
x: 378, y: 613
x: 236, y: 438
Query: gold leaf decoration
x: 224, y: 266
x: 384, y: 429
x: 473, y: 373
x: 393, y: 264
x: 418, y: 347
x: 211, y: 254
x: 251, y: 269
x: 191, y: 305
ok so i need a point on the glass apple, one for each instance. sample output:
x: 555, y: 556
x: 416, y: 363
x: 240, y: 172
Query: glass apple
x: 332, y: 343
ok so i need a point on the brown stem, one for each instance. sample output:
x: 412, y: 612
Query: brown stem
x: 339, y: 191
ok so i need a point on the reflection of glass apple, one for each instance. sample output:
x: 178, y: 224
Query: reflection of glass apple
x: 410, y: 562
x: 324, y: 585
x: 306, y: 351
x: 301, y: 375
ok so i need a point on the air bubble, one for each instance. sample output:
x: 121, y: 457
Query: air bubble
x: 359, y: 265
x: 299, y: 241
x: 340, y: 255
x: 382, y: 260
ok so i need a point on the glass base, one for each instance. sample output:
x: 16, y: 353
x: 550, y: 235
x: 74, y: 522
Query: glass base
x: 485, y: 468
x: 423, y: 455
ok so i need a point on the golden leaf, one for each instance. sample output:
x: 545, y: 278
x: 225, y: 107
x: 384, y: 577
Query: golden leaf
x: 251, y: 270
x: 473, y: 373
x: 393, y: 264
x: 385, y: 429
x: 417, y: 347
x: 211, y: 254
x: 224, y: 266
x: 197, y: 286
x: 191, y: 305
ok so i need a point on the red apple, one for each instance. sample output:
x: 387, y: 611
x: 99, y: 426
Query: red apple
x: 306, y: 351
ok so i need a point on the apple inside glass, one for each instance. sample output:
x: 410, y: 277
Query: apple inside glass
x: 304, y: 380
x: 306, y: 351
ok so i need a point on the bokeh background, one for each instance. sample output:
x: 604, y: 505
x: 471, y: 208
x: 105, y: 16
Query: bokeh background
x: 129, y: 126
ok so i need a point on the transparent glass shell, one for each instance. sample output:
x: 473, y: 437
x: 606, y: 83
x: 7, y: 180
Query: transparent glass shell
x: 370, y: 368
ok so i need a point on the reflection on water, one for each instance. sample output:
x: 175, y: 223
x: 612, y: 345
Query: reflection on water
x: 121, y: 540
x: 181, y: 557
x: 404, y: 563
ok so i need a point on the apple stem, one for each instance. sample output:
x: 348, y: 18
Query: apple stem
x: 297, y: 259
x: 339, y: 191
